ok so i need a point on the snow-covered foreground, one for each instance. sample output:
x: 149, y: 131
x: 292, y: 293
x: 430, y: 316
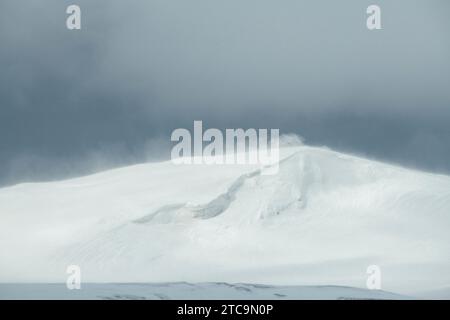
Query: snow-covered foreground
x: 322, y: 220
x: 189, y: 291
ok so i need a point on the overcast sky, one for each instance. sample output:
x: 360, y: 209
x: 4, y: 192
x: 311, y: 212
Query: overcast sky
x: 73, y: 102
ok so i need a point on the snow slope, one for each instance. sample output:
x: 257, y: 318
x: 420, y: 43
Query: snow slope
x: 322, y: 220
x: 189, y: 291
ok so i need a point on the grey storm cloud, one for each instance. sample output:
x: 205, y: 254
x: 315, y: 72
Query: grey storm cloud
x: 110, y: 94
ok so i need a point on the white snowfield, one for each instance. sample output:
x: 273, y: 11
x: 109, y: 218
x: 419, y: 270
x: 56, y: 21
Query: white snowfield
x: 322, y: 220
x: 190, y: 291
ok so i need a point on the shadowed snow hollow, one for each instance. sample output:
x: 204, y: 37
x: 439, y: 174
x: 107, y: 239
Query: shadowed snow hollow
x: 323, y: 219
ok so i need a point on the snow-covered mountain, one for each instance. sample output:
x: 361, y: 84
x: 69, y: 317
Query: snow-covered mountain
x: 322, y: 220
